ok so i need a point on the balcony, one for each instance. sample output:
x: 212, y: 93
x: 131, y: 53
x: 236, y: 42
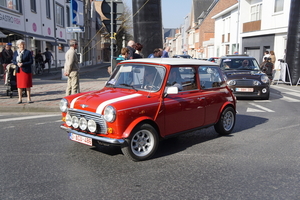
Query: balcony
x: 252, y: 26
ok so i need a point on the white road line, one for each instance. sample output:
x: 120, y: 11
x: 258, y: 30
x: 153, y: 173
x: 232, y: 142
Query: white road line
x: 28, y: 117
x: 297, y: 94
x: 7, y: 127
x: 285, y: 88
x: 262, y: 101
x: 262, y: 107
x: 289, y: 99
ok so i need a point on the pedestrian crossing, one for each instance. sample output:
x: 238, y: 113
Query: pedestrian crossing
x: 284, y: 93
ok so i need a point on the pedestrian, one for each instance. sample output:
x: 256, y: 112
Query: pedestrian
x: 48, y: 56
x: 124, y: 54
x: 273, y: 57
x: 7, y: 56
x: 266, y: 54
x: 131, y: 46
x: 268, y: 68
x: 263, y: 64
x: 156, y: 53
x: 22, y: 58
x: 71, y: 68
x: 138, y: 49
x: 165, y: 52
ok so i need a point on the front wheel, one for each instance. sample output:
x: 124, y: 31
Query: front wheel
x: 141, y: 144
x: 226, y: 122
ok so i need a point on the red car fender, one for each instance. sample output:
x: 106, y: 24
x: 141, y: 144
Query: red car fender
x: 133, y: 124
x: 223, y: 107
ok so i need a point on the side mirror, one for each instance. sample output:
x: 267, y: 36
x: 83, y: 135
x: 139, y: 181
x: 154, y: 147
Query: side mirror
x: 171, y: 90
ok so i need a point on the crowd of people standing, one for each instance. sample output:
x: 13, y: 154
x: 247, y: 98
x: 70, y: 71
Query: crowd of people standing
x: 134, y: 50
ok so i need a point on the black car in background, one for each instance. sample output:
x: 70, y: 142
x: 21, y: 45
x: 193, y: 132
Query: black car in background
x: 244, y: 76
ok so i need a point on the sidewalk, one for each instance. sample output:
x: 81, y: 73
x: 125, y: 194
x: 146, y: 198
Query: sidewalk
x: 49, y: 88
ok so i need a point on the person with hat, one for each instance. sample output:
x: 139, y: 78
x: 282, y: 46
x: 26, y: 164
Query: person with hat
x: 7, y: 56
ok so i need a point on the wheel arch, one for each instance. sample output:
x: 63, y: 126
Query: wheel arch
x: 137, y: 122
x: 223, y: 108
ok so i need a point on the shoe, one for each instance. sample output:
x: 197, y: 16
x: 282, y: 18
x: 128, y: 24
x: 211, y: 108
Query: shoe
x: 29, y: 101
x: 19, y: 102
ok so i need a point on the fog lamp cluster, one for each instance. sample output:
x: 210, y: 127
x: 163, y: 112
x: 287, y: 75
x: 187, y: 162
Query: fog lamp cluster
x: 81, y: 123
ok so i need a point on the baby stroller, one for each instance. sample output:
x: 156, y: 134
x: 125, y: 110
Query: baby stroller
x: 11, y: 81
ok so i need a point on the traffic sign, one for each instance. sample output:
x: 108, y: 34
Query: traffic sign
x: 75, y: 29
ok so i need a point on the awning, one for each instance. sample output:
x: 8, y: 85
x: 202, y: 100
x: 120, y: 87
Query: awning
x: 34, y: 36
x: 61, y: 41
x: 2, y: 35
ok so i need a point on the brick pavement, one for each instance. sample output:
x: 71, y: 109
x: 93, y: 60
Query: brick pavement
x: 49, y: 88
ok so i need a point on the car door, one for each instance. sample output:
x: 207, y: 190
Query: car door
x: 213, y: 91
x: 185, y: 110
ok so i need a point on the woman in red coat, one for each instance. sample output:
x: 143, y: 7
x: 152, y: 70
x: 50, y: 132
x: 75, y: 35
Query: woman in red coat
x: 23, y: 59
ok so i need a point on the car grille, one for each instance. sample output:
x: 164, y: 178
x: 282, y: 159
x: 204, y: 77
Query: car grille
x: 89, y: 115
x: 244, y: 82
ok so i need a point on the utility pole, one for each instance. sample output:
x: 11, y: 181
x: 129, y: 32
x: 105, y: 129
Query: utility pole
x: 111, y: 35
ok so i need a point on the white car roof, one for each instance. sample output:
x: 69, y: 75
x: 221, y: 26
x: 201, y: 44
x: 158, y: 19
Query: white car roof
x: 170, y: 61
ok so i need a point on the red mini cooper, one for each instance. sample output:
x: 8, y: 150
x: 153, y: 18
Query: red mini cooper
x: 146, y: 100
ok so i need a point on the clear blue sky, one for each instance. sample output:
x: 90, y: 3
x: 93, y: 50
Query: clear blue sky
x: 173, y: 11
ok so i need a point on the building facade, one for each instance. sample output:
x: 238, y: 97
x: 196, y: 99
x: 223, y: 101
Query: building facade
x: 50, y: 24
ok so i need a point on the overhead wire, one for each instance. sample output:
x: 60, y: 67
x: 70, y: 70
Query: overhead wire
x: 117, y: 31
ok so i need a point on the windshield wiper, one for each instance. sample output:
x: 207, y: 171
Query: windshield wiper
x: 127, y: 85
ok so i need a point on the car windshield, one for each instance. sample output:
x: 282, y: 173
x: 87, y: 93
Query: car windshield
x: 239, y: 64
x: 137, y: 77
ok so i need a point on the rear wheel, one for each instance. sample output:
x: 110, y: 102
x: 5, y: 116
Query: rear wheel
x: 142, y: 143
x: 226, y: 122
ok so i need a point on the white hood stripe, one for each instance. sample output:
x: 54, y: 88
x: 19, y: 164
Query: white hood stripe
x: 74, y: 100
x: 105, y: 103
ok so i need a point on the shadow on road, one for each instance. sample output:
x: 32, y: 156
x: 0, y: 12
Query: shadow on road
x: 182, y: 142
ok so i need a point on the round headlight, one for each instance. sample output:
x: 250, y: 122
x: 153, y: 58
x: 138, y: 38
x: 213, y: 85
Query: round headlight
x: 109, y: 114
x: 83, y: 123
x: 264, y: 79
x: 68, y: 120
x: 231, y: 82
x: 63, y: 105
x: 92, y: 126
x: 75, y: 122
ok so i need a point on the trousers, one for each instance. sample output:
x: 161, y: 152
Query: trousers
x: 73, y: 83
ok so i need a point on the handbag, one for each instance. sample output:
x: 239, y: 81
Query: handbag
x: 17, y: 69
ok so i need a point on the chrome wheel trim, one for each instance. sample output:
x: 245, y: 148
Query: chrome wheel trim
x: 142, y: 143
x: 228, y: 120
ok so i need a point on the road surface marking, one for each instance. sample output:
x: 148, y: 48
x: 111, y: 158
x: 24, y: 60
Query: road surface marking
x: 28, y: 117
x: 262, y: 108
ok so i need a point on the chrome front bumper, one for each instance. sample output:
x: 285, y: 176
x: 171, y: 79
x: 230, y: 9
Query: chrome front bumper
x: 98, y: 138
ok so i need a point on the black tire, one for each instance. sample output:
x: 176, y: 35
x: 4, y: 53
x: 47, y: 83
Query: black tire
x: 142, y: 143
x: 226, y: 122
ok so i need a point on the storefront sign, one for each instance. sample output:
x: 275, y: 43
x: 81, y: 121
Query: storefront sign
x: 10, y: 21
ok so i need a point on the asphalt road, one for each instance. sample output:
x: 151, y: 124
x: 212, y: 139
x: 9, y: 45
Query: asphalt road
x: 259, y: 160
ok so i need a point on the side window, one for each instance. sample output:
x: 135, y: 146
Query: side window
x: 183, y: 78
x: 210, y: 77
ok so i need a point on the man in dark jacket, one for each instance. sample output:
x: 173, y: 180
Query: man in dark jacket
x: 131, y: 46
x: 7, y: 56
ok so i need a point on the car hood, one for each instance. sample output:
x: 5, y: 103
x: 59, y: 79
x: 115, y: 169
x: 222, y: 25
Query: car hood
x: 96, y: 101
x: 235, y: 74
